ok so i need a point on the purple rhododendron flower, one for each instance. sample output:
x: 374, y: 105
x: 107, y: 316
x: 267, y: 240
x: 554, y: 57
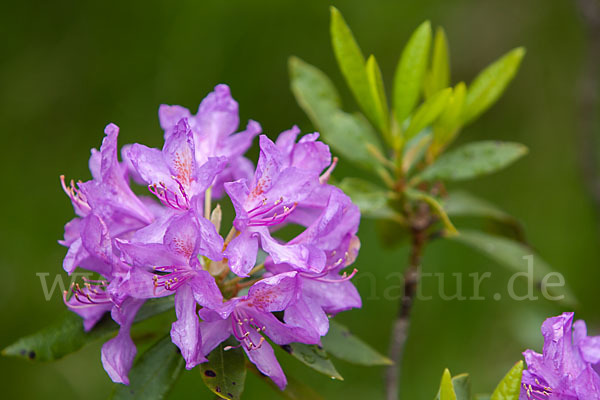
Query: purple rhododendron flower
x: 168, y: 244
x: 568, y: 367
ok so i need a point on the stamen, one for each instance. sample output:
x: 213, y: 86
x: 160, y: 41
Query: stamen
x: 327, y: 174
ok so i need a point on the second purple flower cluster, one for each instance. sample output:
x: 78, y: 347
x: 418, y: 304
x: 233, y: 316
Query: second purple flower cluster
x: 169, y: 242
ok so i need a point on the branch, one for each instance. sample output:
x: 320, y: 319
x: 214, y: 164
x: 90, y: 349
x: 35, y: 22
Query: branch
x: 402, y: 322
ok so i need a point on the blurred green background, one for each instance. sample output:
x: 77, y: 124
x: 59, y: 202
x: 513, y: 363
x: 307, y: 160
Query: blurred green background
x: 70, y: 67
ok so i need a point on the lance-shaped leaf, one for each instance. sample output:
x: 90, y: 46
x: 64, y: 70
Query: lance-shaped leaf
x: 369, y: 197
x: 427, y: 113
x: 446, y: 391
x: 352, y: 63
x: 153, y: 374
x: 350, y: 135
x: 519, y: 258
x: 489, y: 85
x: 447, y: 126
x: 510, y: 386
x: 314, y: 357
x: 436, y: 207
x: 341, y: 343
x: 473, y: 160
x: 410, y: 72
x: 463, y: 204
x: 438, y: 76
x: 66, y: 335
x: 225, y: 371
x: 379, y: 100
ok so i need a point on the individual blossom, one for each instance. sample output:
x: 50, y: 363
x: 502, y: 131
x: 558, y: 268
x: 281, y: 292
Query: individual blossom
x: 177, y: 270
x: 326, y: 293
x: 266, y: 202
x: 250, y: 317
x: 214, y: 128
x: 567, y: 367
x: 173, y: 174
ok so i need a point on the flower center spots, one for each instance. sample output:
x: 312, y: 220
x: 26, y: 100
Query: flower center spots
x: 183, y: 165
x: 268, y: 214
x: 170, y: 278
x: 92, y: 293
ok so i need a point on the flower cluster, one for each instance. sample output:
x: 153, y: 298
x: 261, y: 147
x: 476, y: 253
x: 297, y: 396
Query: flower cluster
x: 569, y: 366
x: 168, y: 243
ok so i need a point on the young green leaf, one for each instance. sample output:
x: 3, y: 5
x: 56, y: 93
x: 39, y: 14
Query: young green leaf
x: 153, y: 374
x: 352, y: 63
x: 314, y: 357
x: 348, y: 134
x: 427, y: 113
x: 510, y: 386
x: 66, y: 335
x: 410, y: 72
x: 382, y: 119
x: 370, y: 198
x: 449, y: 122
x: 436, y: 208
x: 438, y: 76
x: 473, y: 160
x: 489, y: 85
x: 516, y: 257
x: 446, y: 388
x: 225, y: 371
x: 345, y: 346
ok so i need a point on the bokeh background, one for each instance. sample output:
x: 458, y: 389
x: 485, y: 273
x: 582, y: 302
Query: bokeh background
x: 67, y: 68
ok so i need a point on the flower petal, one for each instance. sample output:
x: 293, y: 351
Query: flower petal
x: 241, y: 253
x: 119, y: 352
x: 185, y: 332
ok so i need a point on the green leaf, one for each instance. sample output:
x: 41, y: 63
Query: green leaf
x: 489, y: 85
x: 295, y: 390
x: 438, y: 77
x: 510, y: 386
x: 446, y: 388
x: 225, y: 372
x: 153, y: 374
x: 514, y: 256
x: 352, y: 63
x: 379, y: 100
x: 473, y: 160
x: 449, y: 122
x: 66, y: 335
x: 427, y: 113
x: 348, y: 134
x: 436, y: 207
x: 463, y: 204
x: 369, y: 197
x: 345, y: 346
x: 410, y: 72
x: 314, y: 357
